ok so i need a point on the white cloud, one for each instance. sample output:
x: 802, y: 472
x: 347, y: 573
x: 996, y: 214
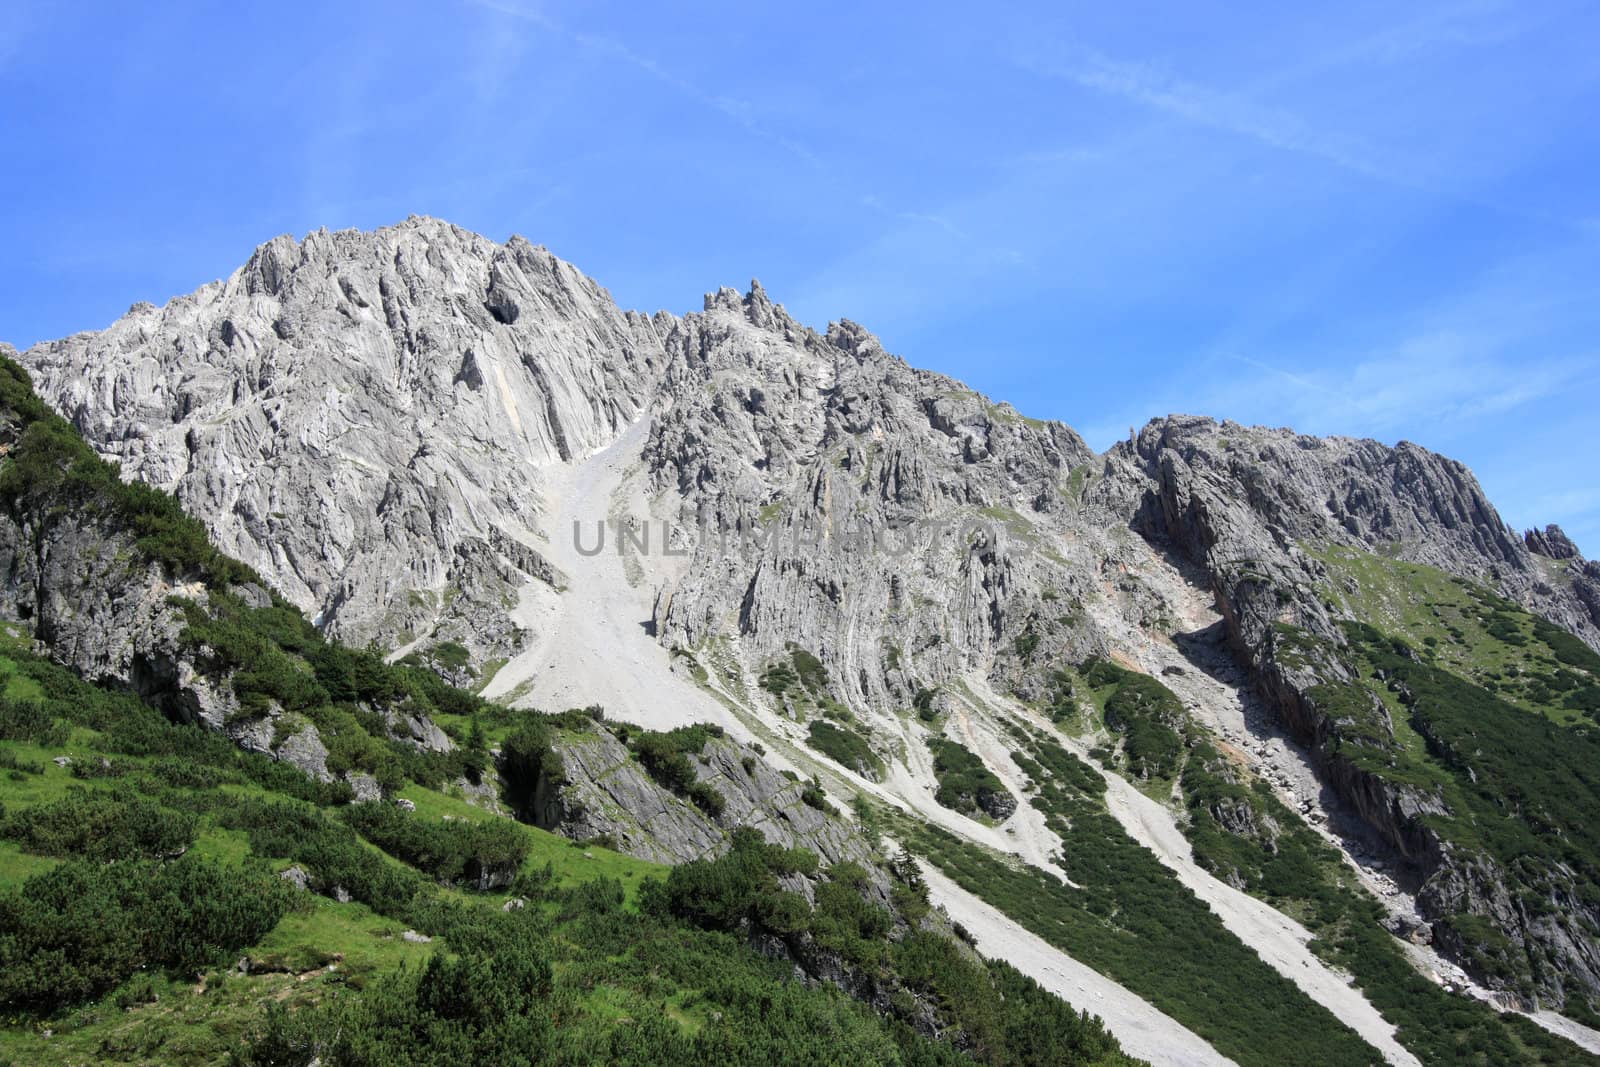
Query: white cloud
x: 1236, y: 113
x: 1242, y: 113
x: 1568, y: 504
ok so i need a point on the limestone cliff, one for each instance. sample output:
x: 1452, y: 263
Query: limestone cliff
x: 406, y: 431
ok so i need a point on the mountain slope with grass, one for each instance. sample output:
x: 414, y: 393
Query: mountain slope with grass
x: 1304, y: 706
x: 171, y: 892
x: 1452, y: 721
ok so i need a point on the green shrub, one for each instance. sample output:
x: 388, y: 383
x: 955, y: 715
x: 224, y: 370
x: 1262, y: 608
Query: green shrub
x: 809, y: 669
x: 26, y: 720
x: 101, y: 825
x: 82, y: 928
x: 845, y: 747
x: 331, y: 852
x: 778, y: 679
x: 735, y: 888
x: 1151, y: 719
x: 481, y: 854
x: 531, y: 768
x: 665, y: 756
x: 965, y: 784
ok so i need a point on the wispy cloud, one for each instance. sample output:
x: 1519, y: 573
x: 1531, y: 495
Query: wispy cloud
x: 1475, y: 24
x: 1160, y: 90
x: 1569, y: 504
x: 1242, y: 113
x: 737, y: 110
x: 13, y: 28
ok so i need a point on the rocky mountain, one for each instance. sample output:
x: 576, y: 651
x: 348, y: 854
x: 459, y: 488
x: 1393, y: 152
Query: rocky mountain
x: 466, y: 453
x: 119, y: 585
x: 1274, y: 520
x: 233, y: 801
x: 361, y: 416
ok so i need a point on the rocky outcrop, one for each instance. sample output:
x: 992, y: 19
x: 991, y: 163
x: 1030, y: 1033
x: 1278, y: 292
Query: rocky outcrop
x: 607, y: 795
x: 891, y: 522
x: 95, y: 605
x: 1241, y: 501
x: 1551, y: 543
x: 77, y: 577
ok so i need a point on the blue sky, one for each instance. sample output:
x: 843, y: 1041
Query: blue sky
x: 1376, y: 219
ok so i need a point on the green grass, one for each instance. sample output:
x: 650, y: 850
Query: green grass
x: 1077, y: 478
x: 1466, y: 628
x: 364, y: 942
x: 1486, y: 710
x: 613, y: 958
x: 16, y: 866
x: 229, y: 846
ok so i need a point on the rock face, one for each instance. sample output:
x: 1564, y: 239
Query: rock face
x: 363, y: 416
x: 388, y: 426
x: 859, y: 497
x: 609, y: 796
x: 1243, y: 500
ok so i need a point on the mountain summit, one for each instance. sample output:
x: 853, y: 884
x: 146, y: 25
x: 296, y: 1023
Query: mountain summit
x: 467, y: 453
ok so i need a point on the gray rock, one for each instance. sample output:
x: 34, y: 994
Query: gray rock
x: 267, y: 401
x: 1241, y: 500
x: 1551, y: 543
x: 1239, y: 503
x: 305, y: 750
x: 609, y: 796
x: 418, y: 730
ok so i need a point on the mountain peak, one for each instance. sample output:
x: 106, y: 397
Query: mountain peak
x: 754, y: 305
x: 1552, y: 543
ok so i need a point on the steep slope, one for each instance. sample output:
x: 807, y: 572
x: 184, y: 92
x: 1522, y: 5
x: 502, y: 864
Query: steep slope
x: 1298, y: 538
x: 362, y: 417
x: 148, y: 837
x: 1231, y: 497
x: 878, y: 516
x: 118, y: 585
x: 867, y: 567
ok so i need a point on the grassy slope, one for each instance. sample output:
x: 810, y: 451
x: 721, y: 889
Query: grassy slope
x: 1142, y: 728
x: 1495, y: 712
x: 1464, y: 628
x: 1133, y: 921
x: 611, y: 964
